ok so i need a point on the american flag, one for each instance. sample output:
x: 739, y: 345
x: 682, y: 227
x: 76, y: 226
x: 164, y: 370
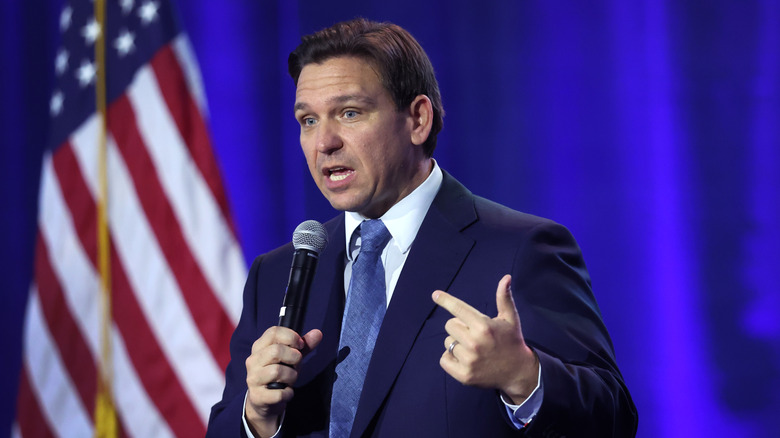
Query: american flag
x: 176, y: 269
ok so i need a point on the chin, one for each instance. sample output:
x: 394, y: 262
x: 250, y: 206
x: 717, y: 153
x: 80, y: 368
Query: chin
x: 342, y: 205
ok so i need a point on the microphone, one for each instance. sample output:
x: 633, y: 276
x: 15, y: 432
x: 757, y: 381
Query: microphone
x: 309, y: 239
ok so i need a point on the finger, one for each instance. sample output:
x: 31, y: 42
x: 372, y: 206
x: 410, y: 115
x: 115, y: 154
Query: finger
x: 458, y: 330
x: 281, y: 354
x: 457, y: 307
x: 278, y: 373
x: 447, y: 342
x: 260, y: 398
x: 461, y: 352
x: 262, y: 376
x: 273, y: 355
x: 505, y: 302
x: 278, y: 335
x: 449, y: 363
x: 277, y: 365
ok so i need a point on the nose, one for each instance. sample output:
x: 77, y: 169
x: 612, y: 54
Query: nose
x: 328, y: 139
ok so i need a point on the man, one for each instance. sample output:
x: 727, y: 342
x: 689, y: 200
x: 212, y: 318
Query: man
x: 514, y: 347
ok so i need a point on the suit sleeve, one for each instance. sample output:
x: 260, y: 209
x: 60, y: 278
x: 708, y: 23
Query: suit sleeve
x: 584, y: 392
x: 226, y: 416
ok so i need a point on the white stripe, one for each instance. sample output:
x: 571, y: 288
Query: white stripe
x: 48, y: 378
x: 210, y: 239
x: 80, y: 285
x: 184, y: 54
x: 86, y: 138
x: 15, y: 432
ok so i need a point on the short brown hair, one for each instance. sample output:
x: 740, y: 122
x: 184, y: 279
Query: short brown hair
x: 404, y: 68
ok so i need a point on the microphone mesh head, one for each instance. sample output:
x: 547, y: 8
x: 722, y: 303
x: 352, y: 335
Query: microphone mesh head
x: 310, y: 235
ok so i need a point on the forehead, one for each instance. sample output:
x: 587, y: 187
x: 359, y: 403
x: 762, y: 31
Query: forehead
x: 337, y: 79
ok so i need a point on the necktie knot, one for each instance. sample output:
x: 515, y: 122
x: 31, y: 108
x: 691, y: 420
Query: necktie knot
x: 373, y: 235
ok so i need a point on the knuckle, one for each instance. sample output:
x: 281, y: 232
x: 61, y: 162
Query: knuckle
x: 468, y: 377
x: 470, y: 344
x: 258, y: 344
x: 468, y: 361
x: 483, y: 331
x: 270, y: 334
x: 275, y: 373
x: 452, y: 324
x: 275, y: 353
x: 295, y: 357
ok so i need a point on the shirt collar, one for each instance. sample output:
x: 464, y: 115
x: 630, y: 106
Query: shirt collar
x: 403, y: 219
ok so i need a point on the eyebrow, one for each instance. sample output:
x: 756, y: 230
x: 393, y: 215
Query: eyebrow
x: 341, y: 99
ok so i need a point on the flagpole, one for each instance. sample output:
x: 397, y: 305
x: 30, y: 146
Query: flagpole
x: 105, y: 413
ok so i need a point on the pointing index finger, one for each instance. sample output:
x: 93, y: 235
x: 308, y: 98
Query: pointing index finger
x: 458, y: 308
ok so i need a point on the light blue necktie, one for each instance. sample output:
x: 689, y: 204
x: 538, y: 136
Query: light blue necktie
x: 363, y: 313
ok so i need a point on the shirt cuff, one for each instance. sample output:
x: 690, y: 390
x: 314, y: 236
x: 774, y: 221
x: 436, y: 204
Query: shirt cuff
x: 248, y: 429
x: 522, y: 414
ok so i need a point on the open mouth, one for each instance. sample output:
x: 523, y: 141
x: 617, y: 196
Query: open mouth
x: 338, y: 173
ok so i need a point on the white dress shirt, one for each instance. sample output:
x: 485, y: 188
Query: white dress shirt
x: 402, y: 220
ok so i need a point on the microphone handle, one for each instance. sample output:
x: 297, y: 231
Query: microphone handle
x: 292, y: 313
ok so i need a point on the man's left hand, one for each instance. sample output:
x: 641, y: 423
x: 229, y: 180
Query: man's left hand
x: 489, y: 352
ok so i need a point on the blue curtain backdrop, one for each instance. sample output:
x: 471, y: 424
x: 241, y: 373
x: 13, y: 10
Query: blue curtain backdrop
x: 650, y: 128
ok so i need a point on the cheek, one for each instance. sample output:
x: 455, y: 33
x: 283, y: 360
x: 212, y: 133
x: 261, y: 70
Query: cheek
x: 307, y: 148
x: 311, y: 159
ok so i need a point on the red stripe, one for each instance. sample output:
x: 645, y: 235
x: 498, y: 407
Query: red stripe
x: 71, y: 346
x: 154, y: 371
x: 189, y: 121
x: 29, y: 415
x: 207, y: 312
x: 78, y: 198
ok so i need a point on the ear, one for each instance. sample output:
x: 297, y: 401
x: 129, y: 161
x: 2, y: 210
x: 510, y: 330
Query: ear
x: 421, y: 112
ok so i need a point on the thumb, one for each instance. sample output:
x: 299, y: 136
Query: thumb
x: 311, y: 340
x: 505, y: 302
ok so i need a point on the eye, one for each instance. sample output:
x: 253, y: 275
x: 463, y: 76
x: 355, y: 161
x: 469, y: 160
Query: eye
x: 350, y: 114
x: 308, y: 121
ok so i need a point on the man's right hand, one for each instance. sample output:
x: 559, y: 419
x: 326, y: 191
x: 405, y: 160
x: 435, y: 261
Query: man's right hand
x: 275, y: 358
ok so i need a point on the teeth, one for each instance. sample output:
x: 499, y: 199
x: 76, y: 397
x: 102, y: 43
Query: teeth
x: 337, y: 177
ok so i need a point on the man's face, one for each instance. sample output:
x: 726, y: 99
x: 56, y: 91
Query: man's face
x: 357, y: 144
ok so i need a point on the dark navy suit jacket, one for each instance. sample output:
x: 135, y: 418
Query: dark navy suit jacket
x: 464, y: 246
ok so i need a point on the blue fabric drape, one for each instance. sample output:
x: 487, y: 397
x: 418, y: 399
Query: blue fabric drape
x: 650, y: 128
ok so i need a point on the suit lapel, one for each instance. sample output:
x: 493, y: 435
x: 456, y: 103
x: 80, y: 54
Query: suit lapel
x: 437, y: 254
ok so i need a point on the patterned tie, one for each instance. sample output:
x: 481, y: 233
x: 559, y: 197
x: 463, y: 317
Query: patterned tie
x: 365, y: 308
